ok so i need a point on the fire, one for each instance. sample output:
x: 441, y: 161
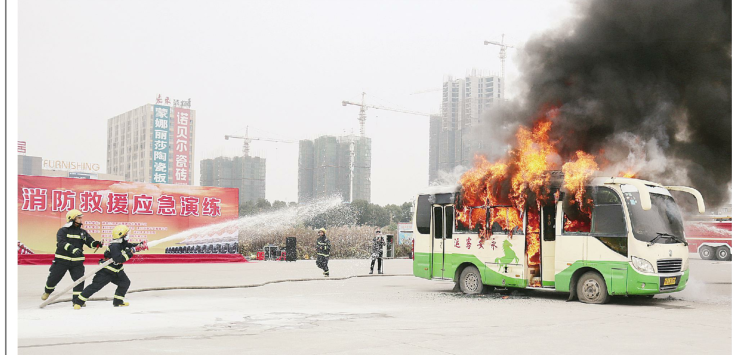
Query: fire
x: 521, y: 182
x: 628, y: 174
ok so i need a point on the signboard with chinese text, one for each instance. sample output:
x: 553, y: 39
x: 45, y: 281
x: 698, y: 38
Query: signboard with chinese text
x: 181, y: 158
x: 161, y: 132
x: 152, y: 211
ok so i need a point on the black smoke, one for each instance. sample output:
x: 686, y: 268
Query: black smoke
x: 645, y: 85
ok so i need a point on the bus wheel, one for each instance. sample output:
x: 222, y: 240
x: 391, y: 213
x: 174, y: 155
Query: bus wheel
x: 470, y: 281
x: 591, y: 288
x: 723, y: 253
x: 707, y: 252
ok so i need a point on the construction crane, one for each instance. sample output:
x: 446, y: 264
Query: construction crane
x: 247, y: 139
x: 503, y: 48
x: 363, y: 108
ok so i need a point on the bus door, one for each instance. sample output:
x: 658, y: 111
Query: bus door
x: 442, y: 218
x: 548, y: 241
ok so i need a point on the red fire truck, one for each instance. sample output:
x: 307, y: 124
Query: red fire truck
x: 711, y: 238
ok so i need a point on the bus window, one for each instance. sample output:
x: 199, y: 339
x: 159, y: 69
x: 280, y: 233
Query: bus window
x: 608, y: 220
x: 438, y: 227
x: 577, y: 216
x: 476, y: 216
x: 423, y: 215
x: 449, y: 217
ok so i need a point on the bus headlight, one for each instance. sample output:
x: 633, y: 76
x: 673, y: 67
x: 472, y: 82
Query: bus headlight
x: 642, y: 265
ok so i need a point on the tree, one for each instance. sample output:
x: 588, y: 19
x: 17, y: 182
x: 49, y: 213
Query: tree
x: 263, y: 205
x: 277, y: 205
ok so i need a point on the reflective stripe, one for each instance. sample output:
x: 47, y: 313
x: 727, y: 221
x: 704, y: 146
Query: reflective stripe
x: 82, y: 298
x: 72, y: 236
x: 126, y: 256
x: 321, y: 243
x: 50, y: 288
x: 113, y: 269
x: 66, y: 247
x: 76, y: 293
x: 81, y: 258
x: 120, y: 297
x: 323, y: 254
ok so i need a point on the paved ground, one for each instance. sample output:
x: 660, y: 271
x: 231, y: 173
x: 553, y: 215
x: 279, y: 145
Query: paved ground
x: 378, y: 314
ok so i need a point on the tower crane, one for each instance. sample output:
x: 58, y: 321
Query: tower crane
x: 363, y: 108
x: 247, y: 139
x: 502, y: 56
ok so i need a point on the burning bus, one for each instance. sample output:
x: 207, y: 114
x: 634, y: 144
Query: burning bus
x: 531, y: 221
x: 625, y: 238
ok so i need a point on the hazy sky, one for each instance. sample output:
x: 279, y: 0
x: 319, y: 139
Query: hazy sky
x: 280, y: 67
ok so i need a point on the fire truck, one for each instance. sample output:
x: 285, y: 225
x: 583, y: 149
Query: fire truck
x: 711, y: 237
x: 629, y: 242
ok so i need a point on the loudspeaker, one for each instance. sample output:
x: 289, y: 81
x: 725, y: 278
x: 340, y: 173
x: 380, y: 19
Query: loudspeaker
x: 291, y: 249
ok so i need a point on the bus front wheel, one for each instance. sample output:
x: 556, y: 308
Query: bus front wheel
x: 470, y: 281
x: 591, y: 288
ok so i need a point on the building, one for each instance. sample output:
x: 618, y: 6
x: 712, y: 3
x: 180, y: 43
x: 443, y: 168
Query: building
x: 245, y: 173
x: 30, y: 165
x: 153, y: 143
x: 331, y: 165
x: 451, y: 139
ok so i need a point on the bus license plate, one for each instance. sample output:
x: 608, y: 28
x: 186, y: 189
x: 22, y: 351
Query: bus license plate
x: 669, y: 281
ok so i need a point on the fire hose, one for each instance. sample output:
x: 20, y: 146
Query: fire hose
x: 81, y: 279
x: 167, y: 288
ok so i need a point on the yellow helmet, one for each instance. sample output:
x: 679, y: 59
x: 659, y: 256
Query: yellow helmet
x: 120, y: 231
x: 72, y: 215
x: 322, y: 230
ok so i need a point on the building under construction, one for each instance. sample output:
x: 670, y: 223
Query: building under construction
x: 245, y: 173
x: 332, y: 165
x: 452, y: 141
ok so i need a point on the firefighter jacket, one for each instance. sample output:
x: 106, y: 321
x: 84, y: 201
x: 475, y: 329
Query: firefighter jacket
x: 69, y: 238
x: 323, y: 246
x: 119, y: 251
x: 378, y: 244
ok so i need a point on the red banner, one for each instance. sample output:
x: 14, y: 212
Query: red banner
x: 152, y: 211
x: 181, y: 146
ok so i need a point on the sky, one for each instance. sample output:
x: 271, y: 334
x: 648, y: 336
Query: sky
x: 280, y: 68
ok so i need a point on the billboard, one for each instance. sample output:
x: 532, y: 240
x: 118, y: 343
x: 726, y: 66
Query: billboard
x: 161, y: 129
x: 152, y: 211
x: 181, y: 146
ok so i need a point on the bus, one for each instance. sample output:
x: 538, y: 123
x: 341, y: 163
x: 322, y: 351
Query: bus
x: 630, y: 241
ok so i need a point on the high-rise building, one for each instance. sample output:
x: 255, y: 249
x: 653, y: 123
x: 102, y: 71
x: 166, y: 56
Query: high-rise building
x: 451, y: 139
x: 332, y: 165
x: 245, y: 173
x: 153, y: 143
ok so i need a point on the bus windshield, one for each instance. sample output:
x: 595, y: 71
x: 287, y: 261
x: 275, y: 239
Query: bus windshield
x: 662, y: 223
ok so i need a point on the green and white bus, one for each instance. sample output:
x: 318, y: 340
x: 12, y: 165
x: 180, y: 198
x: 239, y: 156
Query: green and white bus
x: 634, y: 245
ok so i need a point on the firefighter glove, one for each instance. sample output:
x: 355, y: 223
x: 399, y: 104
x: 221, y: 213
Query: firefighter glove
x: 96, y: 244
x: 77, y: 252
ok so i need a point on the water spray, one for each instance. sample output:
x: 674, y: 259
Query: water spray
x: 284, y: 217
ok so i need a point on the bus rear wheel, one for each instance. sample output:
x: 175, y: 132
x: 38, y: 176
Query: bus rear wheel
x: 470, y: 281
x: 591, y: 288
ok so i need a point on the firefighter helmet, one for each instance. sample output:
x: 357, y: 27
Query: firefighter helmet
x: 72, y: 215
x: 322, y: 230
x: 120, y: 231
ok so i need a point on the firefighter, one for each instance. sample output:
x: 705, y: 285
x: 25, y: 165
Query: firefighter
x: 69, y: 256
x: 120, y: 251
x: 378, y: 244
x: 323, y: 247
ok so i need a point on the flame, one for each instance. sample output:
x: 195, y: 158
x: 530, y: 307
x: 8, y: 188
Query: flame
x: 627, y: 174
x: 521, y: 182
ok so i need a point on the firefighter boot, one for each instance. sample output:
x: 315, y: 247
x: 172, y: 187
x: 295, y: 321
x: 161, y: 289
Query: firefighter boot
x: 326, y: 274
x: 77, y: 306
x: 124, y: 304
x: 45, y: 296
x: 371, y: 271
